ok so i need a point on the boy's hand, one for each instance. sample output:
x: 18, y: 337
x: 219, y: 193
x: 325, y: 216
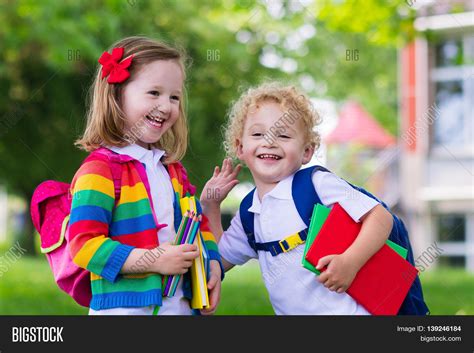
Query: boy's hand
x: 218, y: 187
x: 214, y: 286
x: 174, y: 259
x: 339, y: 274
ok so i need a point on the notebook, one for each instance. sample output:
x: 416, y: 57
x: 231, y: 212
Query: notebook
x: 198, y: 270
x: 320, y: 213
x: 382, y: 283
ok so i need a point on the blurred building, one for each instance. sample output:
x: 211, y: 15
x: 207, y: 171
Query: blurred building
x: 3, y: 213
x: 437, y: 112
x: 370, y: 150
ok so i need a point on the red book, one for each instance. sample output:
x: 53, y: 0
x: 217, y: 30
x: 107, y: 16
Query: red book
x: 382, y: 283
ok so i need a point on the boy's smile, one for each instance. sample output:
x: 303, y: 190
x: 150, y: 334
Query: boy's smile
x: 272, y: 148
x: 269, y: 157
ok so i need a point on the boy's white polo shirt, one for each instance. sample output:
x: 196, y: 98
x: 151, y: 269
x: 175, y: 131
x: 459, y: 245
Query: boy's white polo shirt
x: 294, y: 290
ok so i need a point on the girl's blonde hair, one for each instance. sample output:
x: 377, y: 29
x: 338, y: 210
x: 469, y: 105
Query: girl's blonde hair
x: 296, y: 105
x: 105, y: 118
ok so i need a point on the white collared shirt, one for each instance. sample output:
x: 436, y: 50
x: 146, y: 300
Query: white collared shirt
x: 294, y: 290
x: 162, y: 195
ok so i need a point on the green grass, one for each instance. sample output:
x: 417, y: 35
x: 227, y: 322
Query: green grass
x: 28, y: 288
x: 449, y: 291
x: 243, y: 292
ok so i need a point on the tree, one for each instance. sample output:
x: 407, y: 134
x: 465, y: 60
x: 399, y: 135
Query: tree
x: 49, y: 50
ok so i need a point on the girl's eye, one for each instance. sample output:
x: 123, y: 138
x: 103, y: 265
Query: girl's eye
x: 154, y: 93
x: 257, y: 134
x: 284, y: 136
x: 176, y: 98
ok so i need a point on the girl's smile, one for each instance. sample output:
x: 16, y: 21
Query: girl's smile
x: 154, y: 121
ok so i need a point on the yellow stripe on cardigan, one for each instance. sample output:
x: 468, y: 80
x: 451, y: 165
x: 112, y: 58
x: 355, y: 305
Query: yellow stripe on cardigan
x: 96, y: 277
x: 95, y: 182
x: 133, y: 193
x: 206, y: 236
x: 88, y: 250
x: 177, y: 186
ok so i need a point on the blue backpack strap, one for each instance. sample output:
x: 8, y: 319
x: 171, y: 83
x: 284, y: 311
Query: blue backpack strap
x: 303, y: 192
x: 273, y: 247
x: 414, y: 303
x: 246, y: 218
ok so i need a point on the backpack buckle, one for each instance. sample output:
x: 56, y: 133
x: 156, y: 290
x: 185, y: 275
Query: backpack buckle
x: 291, y: 242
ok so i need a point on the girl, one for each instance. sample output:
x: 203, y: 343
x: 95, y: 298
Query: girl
x: 125, y: 196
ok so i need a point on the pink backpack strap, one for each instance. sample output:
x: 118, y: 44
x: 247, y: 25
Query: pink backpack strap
x: 49, y: 206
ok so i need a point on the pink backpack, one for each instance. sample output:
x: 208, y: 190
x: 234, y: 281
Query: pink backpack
x: 50, y: 208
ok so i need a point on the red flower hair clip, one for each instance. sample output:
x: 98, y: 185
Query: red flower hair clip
x: 116, y: 71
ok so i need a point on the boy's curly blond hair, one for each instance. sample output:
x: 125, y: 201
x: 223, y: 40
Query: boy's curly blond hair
x: 294, y: 103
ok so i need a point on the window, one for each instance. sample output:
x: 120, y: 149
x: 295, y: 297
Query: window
x: 452, y: 261
x: 449, y: 124
x: 452, y: 78
x: 451, y: 232
x: 449, y: 53
x: 451, y: 227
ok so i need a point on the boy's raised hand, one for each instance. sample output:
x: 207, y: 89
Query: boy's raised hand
x: 339, y: 274
x: 222, y: 181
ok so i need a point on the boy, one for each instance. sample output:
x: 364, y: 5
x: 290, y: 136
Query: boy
x: 271, y: 130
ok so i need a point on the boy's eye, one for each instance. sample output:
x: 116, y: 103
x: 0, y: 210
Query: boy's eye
x: 257, y: 134
x: 284, y: 136
x: 154, y: 93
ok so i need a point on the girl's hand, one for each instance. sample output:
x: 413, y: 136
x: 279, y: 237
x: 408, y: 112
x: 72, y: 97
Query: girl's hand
x: 174, y: 259
x: 339, y: 274
x: 218, y: 187
x: 214, y: 287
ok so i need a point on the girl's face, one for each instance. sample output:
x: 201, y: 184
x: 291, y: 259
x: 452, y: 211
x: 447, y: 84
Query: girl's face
x: 151, y: 101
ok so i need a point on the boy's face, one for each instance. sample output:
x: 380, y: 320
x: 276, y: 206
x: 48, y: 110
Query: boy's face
x: 271, y: 147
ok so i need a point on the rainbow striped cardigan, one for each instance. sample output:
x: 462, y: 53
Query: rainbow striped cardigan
x: 103, y: 231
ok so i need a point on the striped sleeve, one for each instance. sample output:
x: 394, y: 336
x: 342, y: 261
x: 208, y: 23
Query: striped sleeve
x: 93, y: 199
x: 210, y: 241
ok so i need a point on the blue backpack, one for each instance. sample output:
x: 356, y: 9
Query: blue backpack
x: 305, y: 197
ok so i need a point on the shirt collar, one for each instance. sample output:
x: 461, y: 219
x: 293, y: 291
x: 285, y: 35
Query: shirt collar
x: 139, y: 153
x: 281, y: 191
